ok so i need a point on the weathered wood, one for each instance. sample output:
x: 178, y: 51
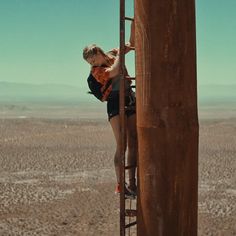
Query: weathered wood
x: 167, y: 118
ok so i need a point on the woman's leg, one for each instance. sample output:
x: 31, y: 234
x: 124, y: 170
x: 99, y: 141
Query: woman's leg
x: 132, y: 149
x: 115, y: 124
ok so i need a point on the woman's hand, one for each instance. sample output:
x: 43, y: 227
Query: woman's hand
x: 128, y: 47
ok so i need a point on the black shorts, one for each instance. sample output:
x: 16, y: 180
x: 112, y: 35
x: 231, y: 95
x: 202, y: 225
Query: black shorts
x: 113, y: 107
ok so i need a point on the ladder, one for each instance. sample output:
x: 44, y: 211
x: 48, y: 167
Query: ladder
x: 128, y: 214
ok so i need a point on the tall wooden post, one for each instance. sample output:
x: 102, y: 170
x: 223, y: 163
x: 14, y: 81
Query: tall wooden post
x: 167, y: 118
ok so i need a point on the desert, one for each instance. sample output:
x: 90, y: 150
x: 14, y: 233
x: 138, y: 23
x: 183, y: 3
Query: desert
x: 57, y: 176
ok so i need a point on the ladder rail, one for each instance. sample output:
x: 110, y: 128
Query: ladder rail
x: 123, y: 211
x: 122, y: 117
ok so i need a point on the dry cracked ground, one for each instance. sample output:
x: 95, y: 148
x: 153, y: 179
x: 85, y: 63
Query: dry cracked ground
x: 57, y: 178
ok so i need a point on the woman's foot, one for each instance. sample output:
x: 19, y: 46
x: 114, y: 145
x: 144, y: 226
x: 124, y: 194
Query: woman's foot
x: 132, y: 186
x: 129, y: 194
x: 133, y: 189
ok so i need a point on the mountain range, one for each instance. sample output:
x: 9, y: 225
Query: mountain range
x: 23, y: 92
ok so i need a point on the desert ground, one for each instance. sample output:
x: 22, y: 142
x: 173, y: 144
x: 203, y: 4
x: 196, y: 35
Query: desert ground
x: 57, y: 177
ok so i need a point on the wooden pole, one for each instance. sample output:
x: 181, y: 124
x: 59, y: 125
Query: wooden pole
x: 167, y: 119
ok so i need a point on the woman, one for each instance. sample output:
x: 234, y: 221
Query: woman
x: 105, y: 67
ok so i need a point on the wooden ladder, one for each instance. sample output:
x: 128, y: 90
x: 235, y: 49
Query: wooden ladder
x: 128, y: 212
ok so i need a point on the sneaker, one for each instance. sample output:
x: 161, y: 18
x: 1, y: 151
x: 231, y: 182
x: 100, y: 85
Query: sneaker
x: 129, y: 194
x: 133, y: 190
x: 117, y: 189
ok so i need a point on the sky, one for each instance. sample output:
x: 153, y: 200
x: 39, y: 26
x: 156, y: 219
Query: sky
x: 41, y: 41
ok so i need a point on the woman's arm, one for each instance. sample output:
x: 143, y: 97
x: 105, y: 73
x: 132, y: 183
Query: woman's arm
x: 104, y: 74
x: 114, y: 69
x: 132, y: 33
x: 131, y: 44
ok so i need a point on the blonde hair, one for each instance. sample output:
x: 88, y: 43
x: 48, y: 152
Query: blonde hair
x: 92, y: 50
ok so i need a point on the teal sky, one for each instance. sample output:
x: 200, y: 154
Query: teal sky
x: 41, y: 41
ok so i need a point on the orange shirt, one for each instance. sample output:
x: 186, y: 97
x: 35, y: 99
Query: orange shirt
x: 100, y: 73
x: 102, y: 76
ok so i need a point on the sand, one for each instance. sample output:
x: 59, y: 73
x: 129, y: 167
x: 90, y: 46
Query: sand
x: 57, y: 178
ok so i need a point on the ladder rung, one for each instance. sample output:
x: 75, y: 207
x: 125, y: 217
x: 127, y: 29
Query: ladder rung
x: 132, y: 48
x: 131, y: 224
x: 130, y: 108
x: 129, y: 18
x: 130, y: 78
x: 130, y: 167
x: 130, y: 212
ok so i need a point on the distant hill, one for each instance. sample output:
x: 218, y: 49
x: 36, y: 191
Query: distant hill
x: 210, y: 94
x: 20, y: 92
x: 215, y: 94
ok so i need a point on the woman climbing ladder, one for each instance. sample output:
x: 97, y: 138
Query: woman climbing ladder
x: 105, y: 70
